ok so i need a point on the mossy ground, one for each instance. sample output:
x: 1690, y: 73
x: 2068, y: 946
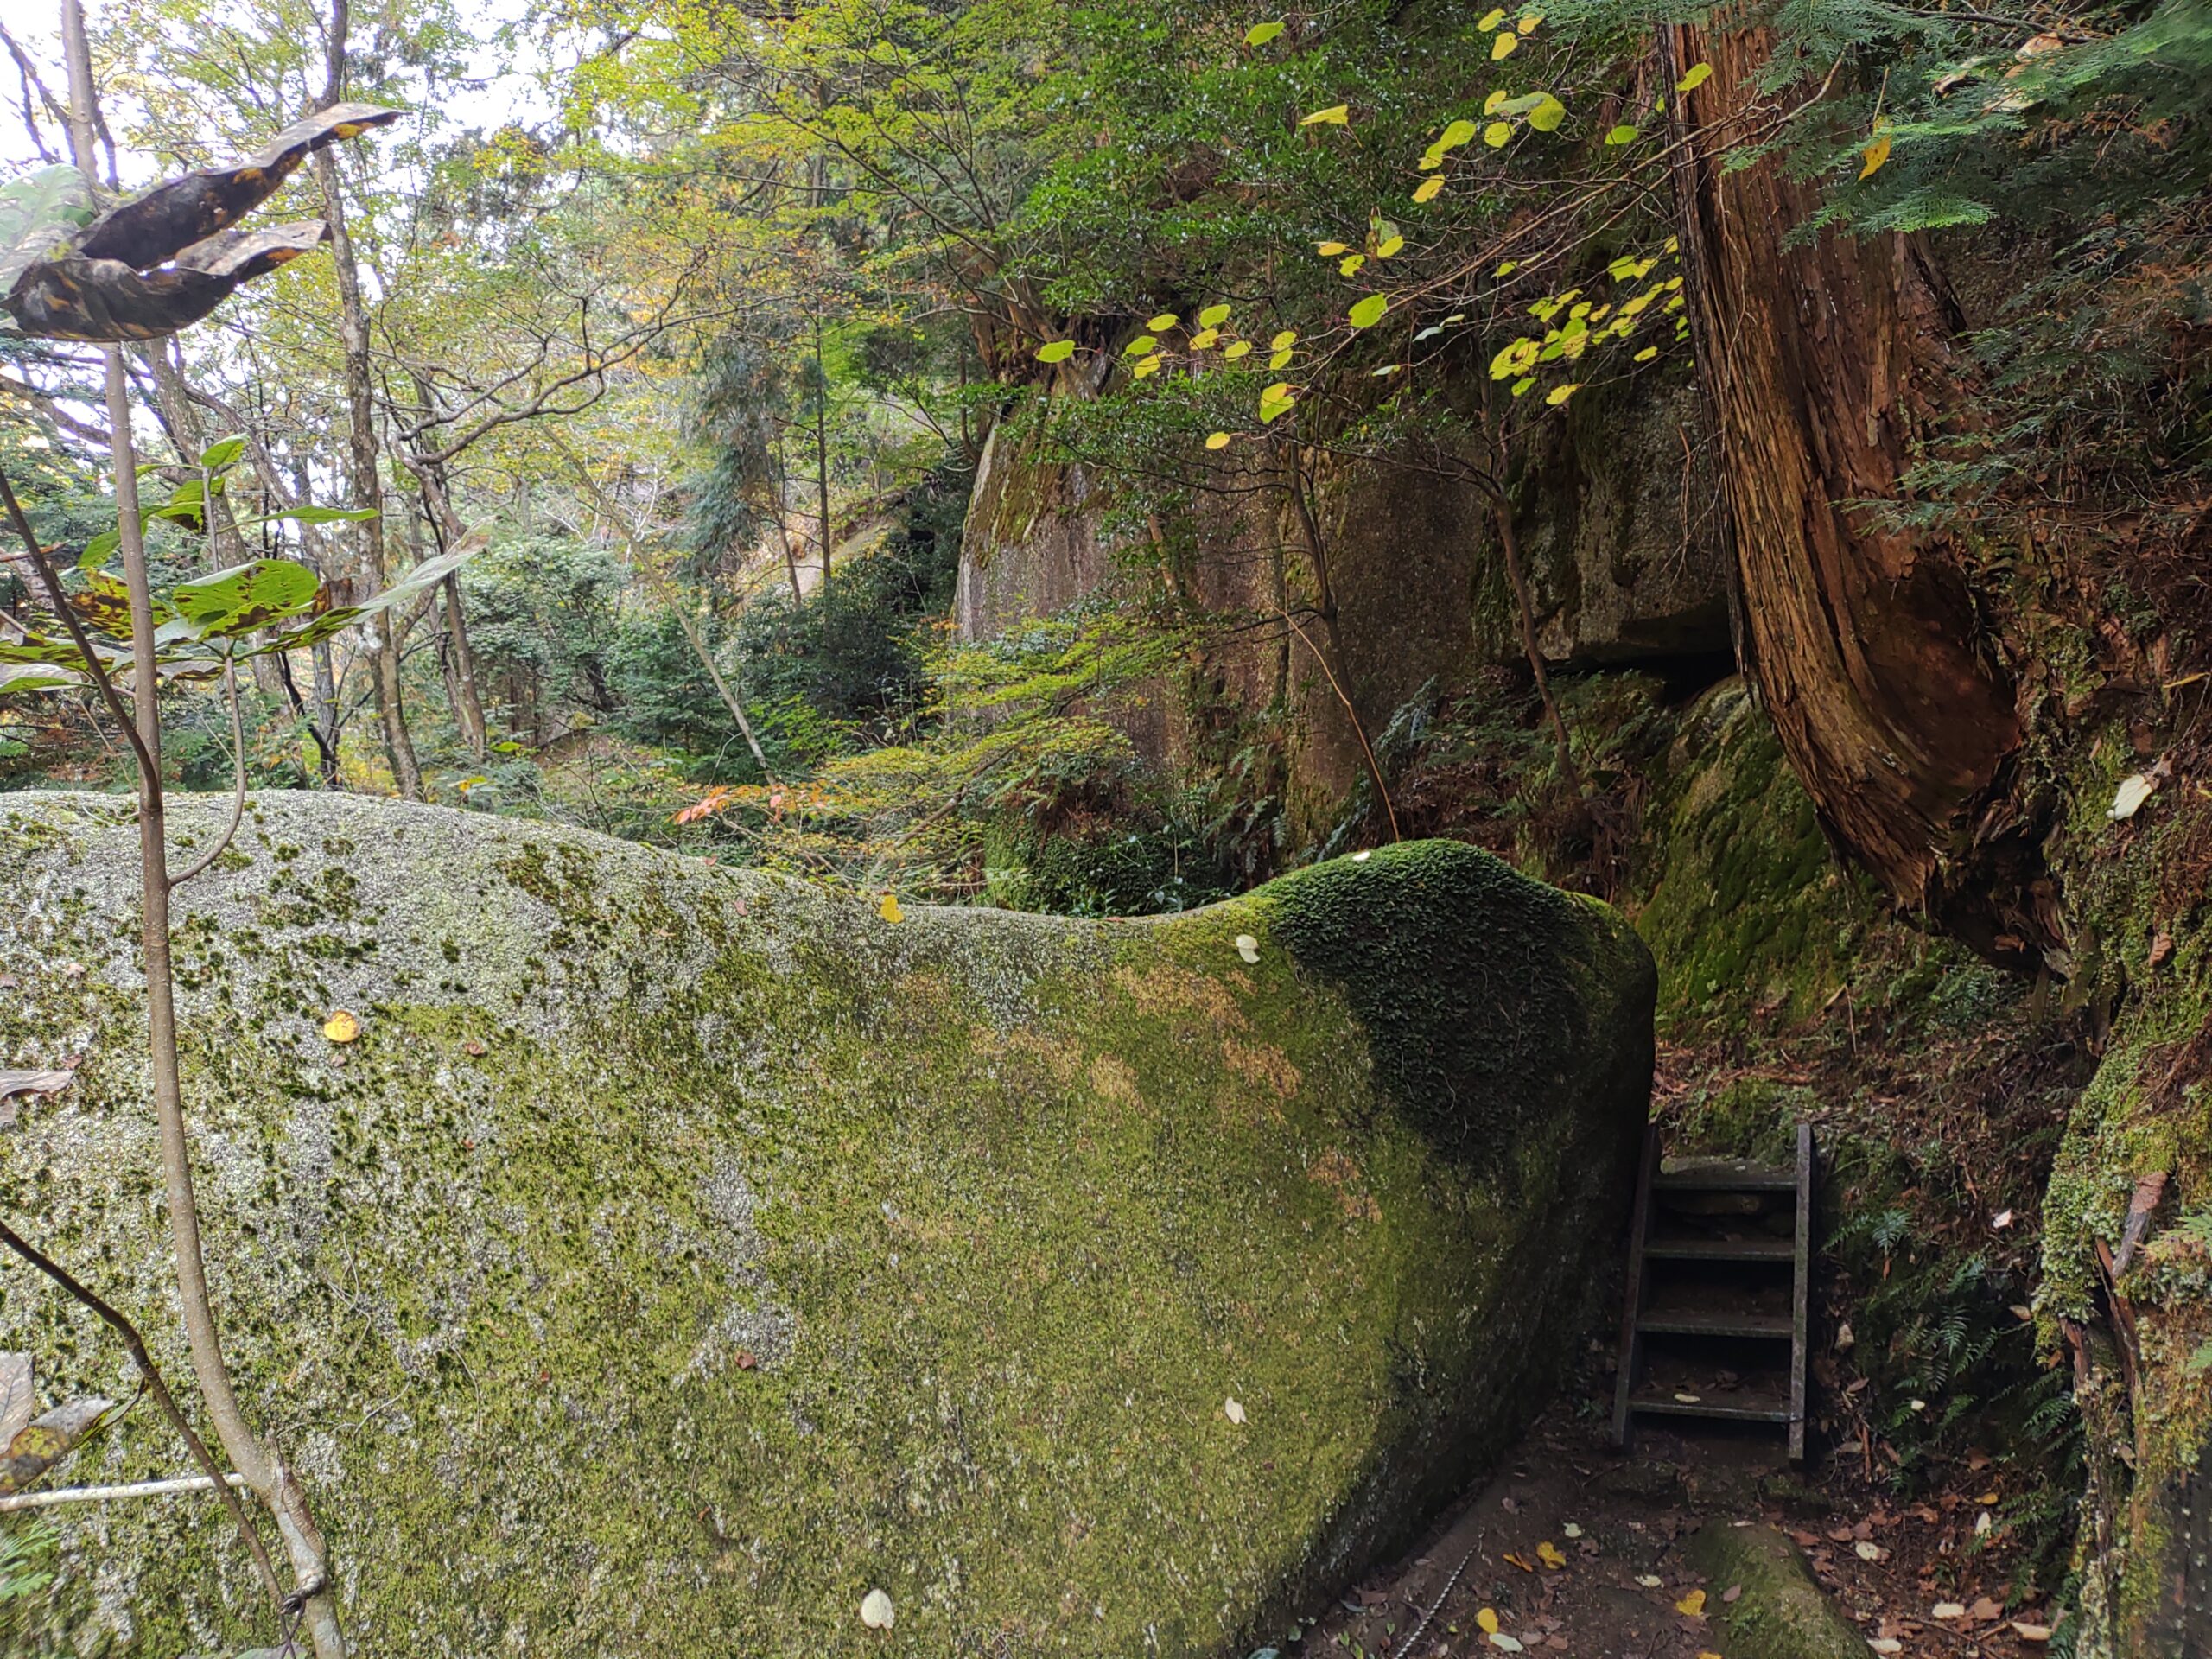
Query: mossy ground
x: 680, y: 1253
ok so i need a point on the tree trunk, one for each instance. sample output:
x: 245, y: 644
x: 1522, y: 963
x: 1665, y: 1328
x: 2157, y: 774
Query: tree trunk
x: 1825, y: 359
x: 822, y: 446
x: 361, y: 449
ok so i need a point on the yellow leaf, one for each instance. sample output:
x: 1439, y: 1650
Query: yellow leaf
x: 1331, y: 249
x: 1878, y: 150
x: 1708, y: 1655
x: 889, y: 908
x: 1488, y: 1620
x: 1503, y: 46
x: 1494, y: 102
x: 1280, y: 360
x: 1549, y: 1555
x: 1150, y: 365
x: 1283, y: 341
x: 1430, y: 188
x: 1491, y: 20
x: 1497, y: 134
x: 341, y: 1027
x: 1692, y: 1604
x: 1526, y: 1566
x: 1241, y: 348
x: 1336, y: 115
x: 1203, y: 339
x: 1559, y: 395
x: 1388, y: 245
x: 1350, y: 264
x: 1527, y: 25
x: 1217, y: 440
x: 1163, y: 322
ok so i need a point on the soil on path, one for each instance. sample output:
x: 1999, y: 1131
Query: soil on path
x: 1615, y: 1526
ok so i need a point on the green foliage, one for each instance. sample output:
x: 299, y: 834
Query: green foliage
x: 542, y: 615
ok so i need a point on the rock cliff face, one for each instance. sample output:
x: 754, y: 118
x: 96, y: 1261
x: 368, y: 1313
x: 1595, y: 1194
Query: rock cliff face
x: 1615, y: 512
x: 680, y: 1254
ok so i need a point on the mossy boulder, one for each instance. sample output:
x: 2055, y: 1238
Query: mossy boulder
x: 681, y: 1253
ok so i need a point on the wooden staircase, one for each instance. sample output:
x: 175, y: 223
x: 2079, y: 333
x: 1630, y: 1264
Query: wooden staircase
x: 1718, y: 1271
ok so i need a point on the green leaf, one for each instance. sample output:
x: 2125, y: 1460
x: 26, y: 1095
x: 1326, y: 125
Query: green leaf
x: 1058, y: 351
x: 25, y: 677
x: 1142, y: 345
x: 312, y: 516
x: 224, y: 452
x: 246, y: 597
x: 1547, y: 114
x: 99, y: 550
x: 1276, y: 402
x: 1163, y: 322
x: 1367, y: 312
x: 1621, y: 135
x: 1336, y: 115
x: 1695, y: 77
x: 1261, y: 33
x: 1521, y: 385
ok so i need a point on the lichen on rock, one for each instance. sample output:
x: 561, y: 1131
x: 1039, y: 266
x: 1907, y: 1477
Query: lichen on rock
x: 680, y: 1254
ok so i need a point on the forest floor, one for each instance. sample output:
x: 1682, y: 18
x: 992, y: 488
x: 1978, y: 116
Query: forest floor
x: 1621, y: 1525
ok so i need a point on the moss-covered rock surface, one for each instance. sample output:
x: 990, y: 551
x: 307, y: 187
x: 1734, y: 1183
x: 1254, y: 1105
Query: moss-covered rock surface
x: 679, y: 1254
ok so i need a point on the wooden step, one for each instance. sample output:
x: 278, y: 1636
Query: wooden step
x: 1735, y: 1408
x: 1722, y: 1175
x: 1723, y: 1249
x: 1716, y: 1322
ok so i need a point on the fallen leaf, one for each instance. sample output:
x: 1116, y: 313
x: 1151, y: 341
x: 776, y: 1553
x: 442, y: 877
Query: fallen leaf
x: 1885, y: 1644
x: 2134, y: 789
x: 1877, y: 151
x: 876, y: 1611
x: 1572, y: 1531
x: 15, y: 1401
x: 1526, y: 1566
x: 1692, y: 1606
x: 1690, y: 1399
x: 1232, y: 1410
x: 1947, y: 1610
x: 28, y: 1083
x: 889, y: 908
x: 341, y: 1027
x: 41, y: 1444
x: 2001, y: 1221
x: 1985, y: 1610
x: 1868, y: 1552
x: 1732, y: 1594
x: 1649, y: 1580
x: 2027, y: 1632
x: 1488, y: 1621
x: 746, y: 1360
x: 1248, y: 947
x: 1986, y: 1497
x: 2162, y: 946
x: 473, y: 1049
x: 1548, y: 1553
x: 1498, y: 1639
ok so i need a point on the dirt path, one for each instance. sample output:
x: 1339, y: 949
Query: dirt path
x: 1575, y: 1550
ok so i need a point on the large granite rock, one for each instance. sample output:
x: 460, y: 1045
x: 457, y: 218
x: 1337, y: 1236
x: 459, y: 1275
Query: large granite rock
x: 680, y: 1254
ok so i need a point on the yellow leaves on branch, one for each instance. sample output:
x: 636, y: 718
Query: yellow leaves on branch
x: 1336, y: 115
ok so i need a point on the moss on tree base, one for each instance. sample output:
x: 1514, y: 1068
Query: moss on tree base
x: 681, y: 1253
